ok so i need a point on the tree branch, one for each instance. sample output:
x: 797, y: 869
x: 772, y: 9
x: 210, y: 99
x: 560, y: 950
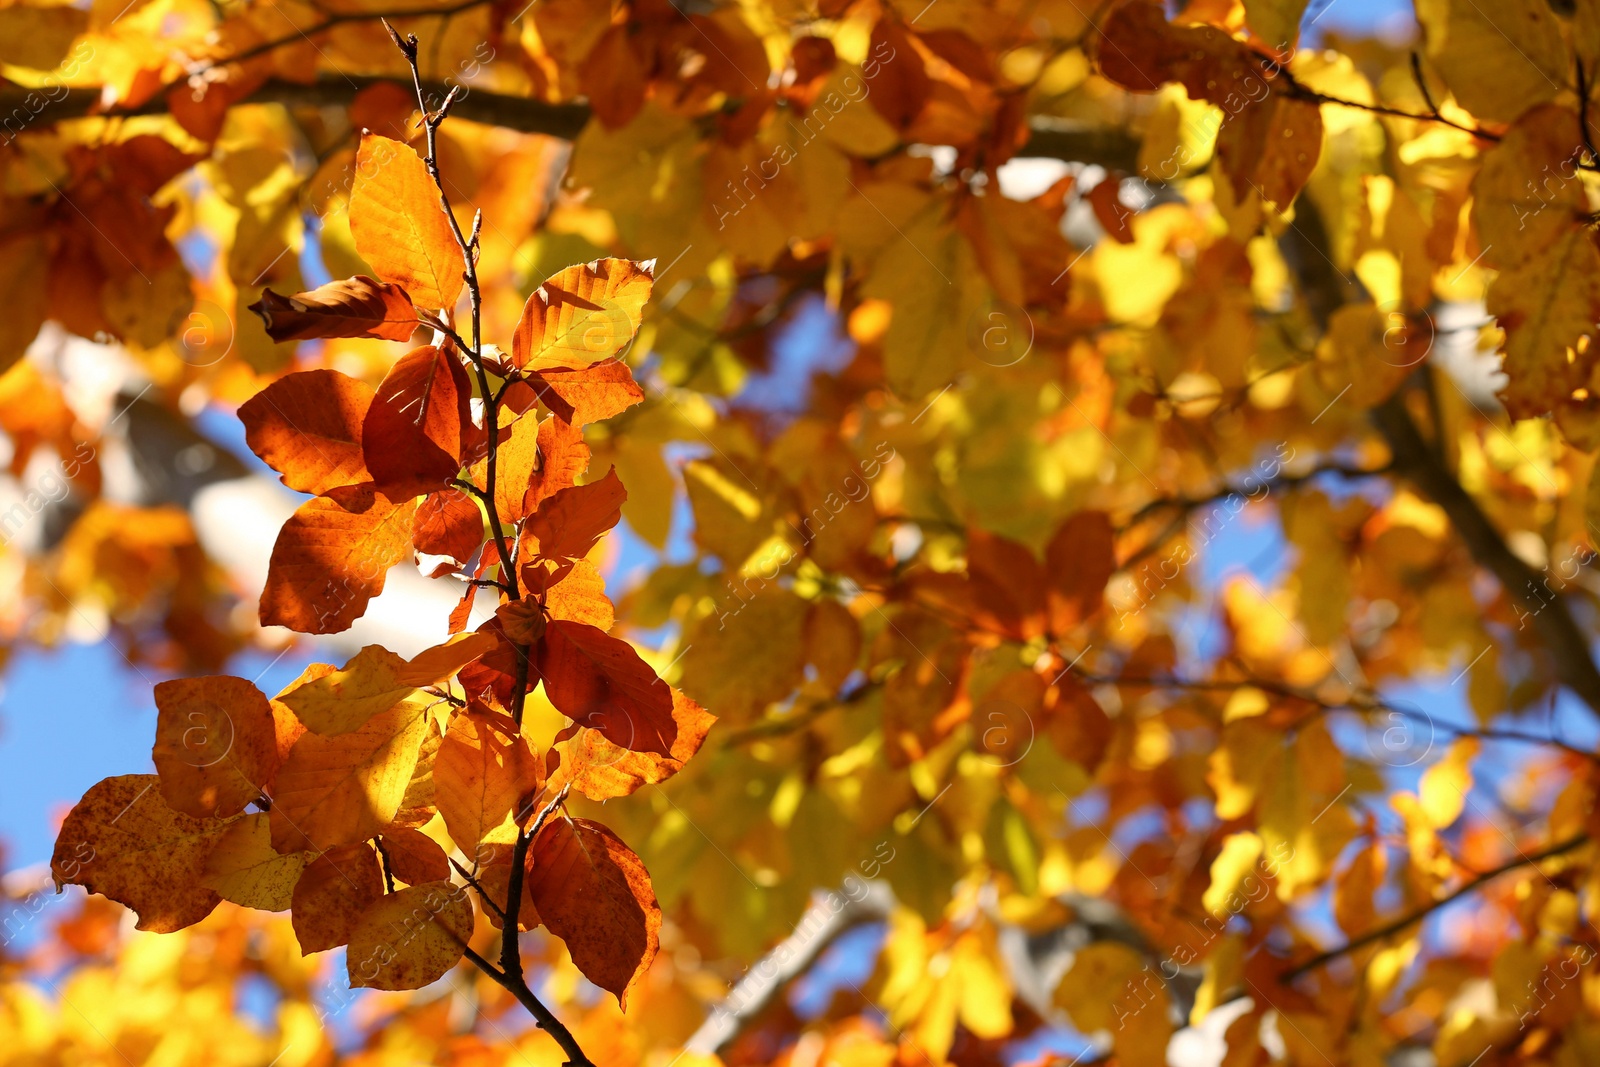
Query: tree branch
x: 1393, y: 927
x: 1552, y: 618
x: 1109, y: 146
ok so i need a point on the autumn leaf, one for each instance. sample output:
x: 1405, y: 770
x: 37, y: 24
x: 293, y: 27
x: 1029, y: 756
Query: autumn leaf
x: 601, y: 770
x: 244, y: 867
x: 448, y: 523
x: 413, y: 856
x: 398, y: 225
x: 331, y: 558
x: 1536, y: 233
x: 587, y: 394
x: 593, y: 893
x: 353, y: 307
x: 1078, y: 563
x: 569, y: 522
x: 343, y: 789
x: 121, y: 840
x: 216, y: 744
x: 375, y: 680
x: 573, y: 590
x: 332, y: 893
x: 484, y: 779
x: 600, y: 682
x: 582, y: 315
x: 412, y: 433
x: 307, y: 427
x: 410, y: 938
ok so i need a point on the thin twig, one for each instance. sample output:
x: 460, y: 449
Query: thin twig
x: 510, y: 974
x: 1393, y: 927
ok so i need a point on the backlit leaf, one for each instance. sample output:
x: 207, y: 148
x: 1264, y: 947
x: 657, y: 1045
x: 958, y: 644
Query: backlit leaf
x: 594, y: 894
x: 307, y: 427
x: 600, y: 682
x: 582, y: 315
x: 411, y: 938
x: 331, y: 558
x: 340, y: 790
x: 399, y: 226
x: 216, y: 744
x: 121, y: 840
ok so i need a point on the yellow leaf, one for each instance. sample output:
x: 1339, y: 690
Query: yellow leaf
x: 245, y: 869
x: 344, y: 789
x: 1444, y: 786
x: 410, y: 938
x: 1234, y: 863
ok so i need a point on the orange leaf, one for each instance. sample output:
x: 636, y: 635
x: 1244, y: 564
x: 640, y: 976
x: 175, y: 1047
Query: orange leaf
x: 410, y: 939
x: 582, y: 315
x: 517, y: 458
x: 354, y: 307
x: 484, y: 777
x: 414, y: 857
x: 1007, y: 584
x: 331, y: 558
x: 613, y: 76
x: 572, y: 590
x: 570, y: 522
x: 307, y: 427
x: 448, y: 523
x: 587, y: 394
x: 563, y: 456
x: 399, y: 226
x: 216, y: 744
x: 330, y: 896
x: 412, y: 433
x: 594, y: 894
x: 601, y: 770
x: 122, y: 841
x: 1078, y: 563
x: 346, y: 788
x: 600, y: 682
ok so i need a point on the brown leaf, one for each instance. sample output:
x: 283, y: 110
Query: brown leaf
x: 353, y: 307
x: 307, y: 427
x: 600, y: 682
x: 582, y: 315
x: 331, y: 895
x: 1007, y: 585
x: 1078, y: 563
x: 594, y: 894
x: 601, y: 770
x: 216, y: 744
x: 331, y: 558
x: 414, y: 857
x: 484, y: 777
x: 570, y: 522
x: 412, y: 433
x: 411, y: 938
x: 343, y: 789
x: 1112, y: 214
x: 587, y: 394
x: 122, y: 841
x: 398, y: 224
